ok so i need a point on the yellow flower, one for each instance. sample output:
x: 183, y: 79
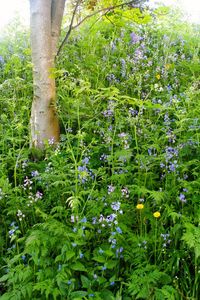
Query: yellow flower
x: 156, y: 214
x: 158, y: 76
x: 167, y: 66
x: 140, y: 206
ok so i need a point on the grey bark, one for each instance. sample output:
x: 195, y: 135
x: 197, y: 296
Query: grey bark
x: 45, y: 23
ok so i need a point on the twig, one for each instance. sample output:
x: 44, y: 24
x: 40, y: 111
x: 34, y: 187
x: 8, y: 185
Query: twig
x: 70, y: 27
x: 106, y: 9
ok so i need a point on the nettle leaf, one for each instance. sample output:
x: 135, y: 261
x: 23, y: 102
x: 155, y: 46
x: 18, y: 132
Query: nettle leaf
x: 69, y: 255
x: 100, y: 259
x: 78, y: 266
x: 78, y: 294
x: 86, y: 283
x: 107, y: 295
x: 111, y: 264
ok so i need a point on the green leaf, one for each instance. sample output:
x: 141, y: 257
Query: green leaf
x: 100, y: 259
x: 78, y: 294
x: 111, y: 264
x: 69, y: 255
x: 107, y: 295
x: 4, y: 278
x: 85, y: 281
x: 78, y: 267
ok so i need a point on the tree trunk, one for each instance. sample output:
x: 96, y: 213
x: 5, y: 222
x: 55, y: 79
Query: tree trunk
x: 45, y: 23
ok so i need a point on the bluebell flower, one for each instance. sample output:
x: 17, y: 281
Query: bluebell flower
x: 115, y: 206
x: 11, y: 232
x: 135, y: 38
x: 86, y: 160
x: 34, y: 173
x: 111, y: 218
x: 182, y: 198
x: 111, y: 189
x: 1, y: 59
x: 84, y: 220
x: 118, y: 229
x: 164, y: 236
x: 94, y: 220
x: 101, y: 251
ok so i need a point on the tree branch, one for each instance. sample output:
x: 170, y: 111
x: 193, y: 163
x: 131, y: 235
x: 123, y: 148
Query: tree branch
x: 106, y: 10
x: 70, y: 27
x: 57, y: 10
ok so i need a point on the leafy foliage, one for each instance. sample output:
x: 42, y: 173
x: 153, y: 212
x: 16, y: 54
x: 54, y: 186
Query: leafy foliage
x: 113, y: 211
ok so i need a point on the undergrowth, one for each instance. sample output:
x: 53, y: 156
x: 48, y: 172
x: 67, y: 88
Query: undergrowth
x: 113, y: 211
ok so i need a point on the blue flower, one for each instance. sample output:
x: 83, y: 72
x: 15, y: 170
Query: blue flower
x: 86, y: 160
x: 1, y: 59
x: 84, y: 220
x: 101, y: 251
x: 111, y: 189
x: 182, y: 198
x: 118, y: 229
x: 135, y: 38
x: 115, y: 206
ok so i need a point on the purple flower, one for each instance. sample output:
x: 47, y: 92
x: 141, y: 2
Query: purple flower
x: 34, y: 173
x: 111, y: 189
x: 104, y: 157
x: 182, y: 198
x: 38, y: 195
x: 164, y: 236
x: 110, y: 218
x: 84, y: 220
x: 135, y: 38
x: 122, y: 135
x: 86, y: 160
x: 133, y: 112
x: 108, y: 113
x: 118, y: 229
x: 101, y: 251
x: 1, y: 59
x: 11, y: 232
x: 115, y: 206
x: 125, y: 192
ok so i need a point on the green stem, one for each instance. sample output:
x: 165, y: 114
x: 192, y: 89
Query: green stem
x: 155, y: 246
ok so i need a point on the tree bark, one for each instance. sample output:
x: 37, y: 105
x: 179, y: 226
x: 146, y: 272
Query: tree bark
x: 45, y: 24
